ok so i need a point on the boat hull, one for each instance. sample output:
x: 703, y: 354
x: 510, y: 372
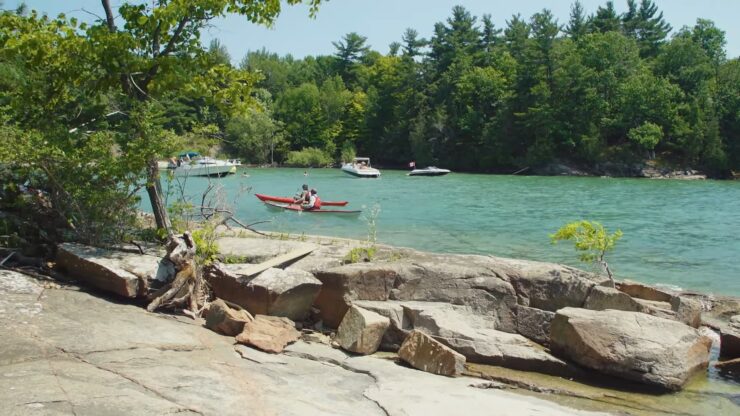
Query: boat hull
x: 369, y: 173
x: 214, y: 171
x: 429, y: 172
x: 286, y: 200
x: 296, y: 207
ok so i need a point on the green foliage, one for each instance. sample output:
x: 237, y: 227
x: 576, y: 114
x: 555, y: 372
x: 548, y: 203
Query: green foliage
x: 309, y: 157
x: 360, y: 254
x: 590, y: 239
x: 647, y: 135
x: 206, y: 248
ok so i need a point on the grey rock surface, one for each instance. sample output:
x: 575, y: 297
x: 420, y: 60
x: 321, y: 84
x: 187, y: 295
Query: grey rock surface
x: 534, y: 324
x: 602, y: 297
x: 120, y: 272
x: 277, y: 292
x: 67, y: 352
x: 631, y: 345
x: 361, y: 330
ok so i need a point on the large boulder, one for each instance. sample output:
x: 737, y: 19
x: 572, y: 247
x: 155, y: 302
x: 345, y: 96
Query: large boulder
x: 729, y: 340
x: 361, y: 330
x: 534, y: 324
x: 602, y: 297
x: 631, y: 345
x: 269, y: 333
x: 223, y: 319
x: 424, y: 353
x: 276, y: 292
x: 123, y: 273
x: 474, y: 337
x: 399, y: 324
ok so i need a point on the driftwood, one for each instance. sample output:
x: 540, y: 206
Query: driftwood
x: 188, y: 290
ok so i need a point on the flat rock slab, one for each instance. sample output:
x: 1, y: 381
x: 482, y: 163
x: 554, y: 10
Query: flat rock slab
x: 257, y: 250
x: 119, y: 272
x: 426, y: 354
x: 631, y: 345
x: 361, y: 330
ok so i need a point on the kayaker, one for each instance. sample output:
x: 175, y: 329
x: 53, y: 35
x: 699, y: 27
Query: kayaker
x: 304, y: 197
x: 314, y: 201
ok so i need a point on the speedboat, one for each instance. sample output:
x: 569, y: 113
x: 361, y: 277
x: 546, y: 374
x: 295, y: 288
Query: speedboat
x: 429, y: 171
x: 193, y: 164
x: 360, y: 167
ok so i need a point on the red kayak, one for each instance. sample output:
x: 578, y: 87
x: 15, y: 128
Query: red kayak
x: 287, y: 200
x: 296, y: 207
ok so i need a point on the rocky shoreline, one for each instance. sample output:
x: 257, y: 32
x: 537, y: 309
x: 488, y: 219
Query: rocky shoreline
x: 620, y: 170
x: 445, y: 314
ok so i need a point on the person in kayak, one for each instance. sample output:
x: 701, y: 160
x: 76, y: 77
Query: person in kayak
x: 304, y: 197
x: 314, y: 202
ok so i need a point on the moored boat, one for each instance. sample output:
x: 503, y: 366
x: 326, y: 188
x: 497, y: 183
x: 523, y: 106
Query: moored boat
x: 288, y: 200
x: 360, y: 167
x: 297, y: 207
x: 429, y: 171
x: 193, y: 164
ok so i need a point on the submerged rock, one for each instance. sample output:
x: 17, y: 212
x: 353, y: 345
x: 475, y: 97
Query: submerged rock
x: 123, y: 273
x: 631, y: 345
x: 424, y: 353
x: 269, y: 333
x: 361, y: 330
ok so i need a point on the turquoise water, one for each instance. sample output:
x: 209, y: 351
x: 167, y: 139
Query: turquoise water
x: 679, y: 233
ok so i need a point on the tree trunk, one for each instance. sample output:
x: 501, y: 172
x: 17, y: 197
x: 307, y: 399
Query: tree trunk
x: 154, y: 189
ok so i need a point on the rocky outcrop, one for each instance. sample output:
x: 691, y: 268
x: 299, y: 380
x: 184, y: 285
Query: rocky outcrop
x: 602, y: 297
x: 474, y: 337
x: 269, y: 333
x: 424, y: 353
x: 123, y: 273
x: 534, y: 324
x: 276, y: 292
x: 225, y: 320
x: 631, y: 345
x: 489, y: 286
x: 361, y: 330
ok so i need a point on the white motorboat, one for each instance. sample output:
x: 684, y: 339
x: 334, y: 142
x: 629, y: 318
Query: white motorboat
x: 360, y: 167
x: 193, y: 164
x: 429, y: 171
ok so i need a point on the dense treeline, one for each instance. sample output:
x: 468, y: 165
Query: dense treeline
x: 604, y: 87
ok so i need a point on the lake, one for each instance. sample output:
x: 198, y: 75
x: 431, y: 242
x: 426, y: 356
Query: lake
x: 683, y: 234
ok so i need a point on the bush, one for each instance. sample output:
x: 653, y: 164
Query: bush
x: 309, y: 157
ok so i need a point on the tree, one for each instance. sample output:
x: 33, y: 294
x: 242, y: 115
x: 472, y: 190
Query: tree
x: 592, y: 240
x: 650, y: 28
x: 577, y: 26
x: 646, y: 136
x: 156, y: 53
x: 349, y: 52
x: 412, y: 44
x: 606, y: 19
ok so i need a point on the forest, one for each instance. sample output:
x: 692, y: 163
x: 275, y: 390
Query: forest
x: 88, y: 107
x: 599, y: 88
